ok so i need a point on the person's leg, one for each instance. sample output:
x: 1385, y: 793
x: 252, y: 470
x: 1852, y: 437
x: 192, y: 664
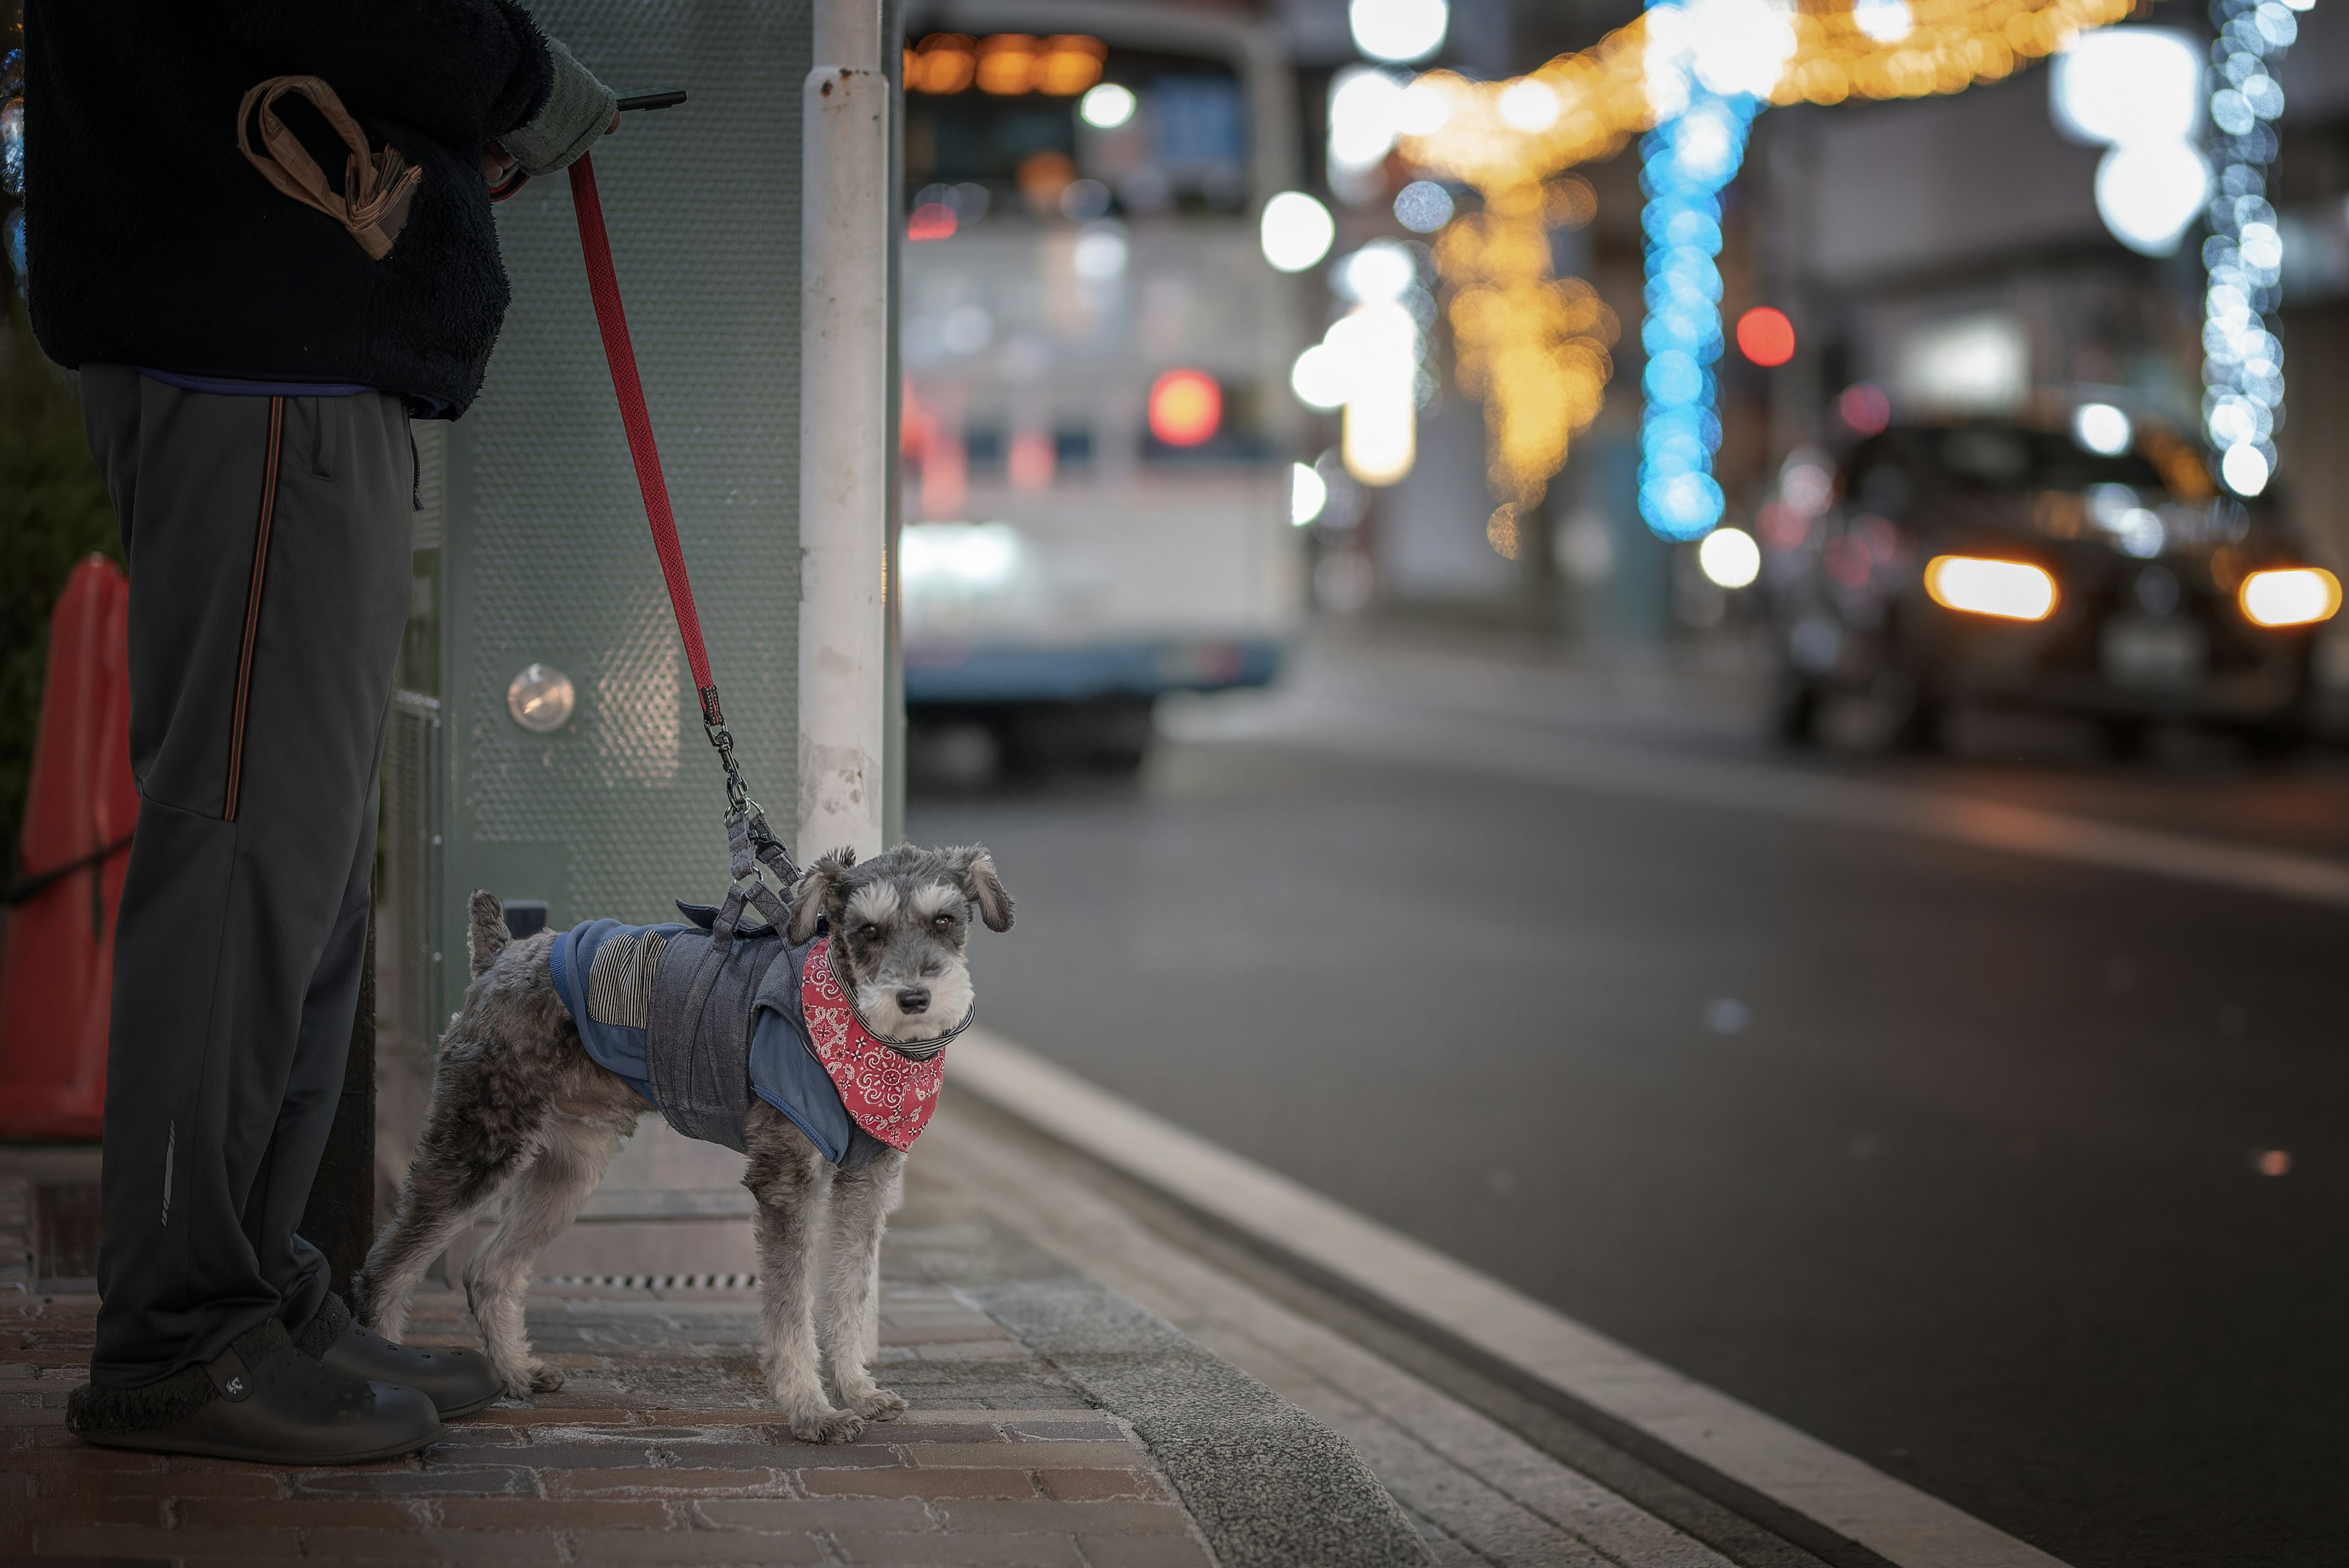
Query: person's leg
x: 268, y: 542
x: 281, y: 1192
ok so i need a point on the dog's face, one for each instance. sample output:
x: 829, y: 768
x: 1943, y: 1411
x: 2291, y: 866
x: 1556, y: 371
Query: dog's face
x: 900, y: 923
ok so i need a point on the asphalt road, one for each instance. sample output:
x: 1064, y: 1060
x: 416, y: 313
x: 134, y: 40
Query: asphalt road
x: 1949, y: 1154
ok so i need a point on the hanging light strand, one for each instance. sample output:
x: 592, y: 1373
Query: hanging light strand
x: 2242, y: 363
x: 1731, y: 58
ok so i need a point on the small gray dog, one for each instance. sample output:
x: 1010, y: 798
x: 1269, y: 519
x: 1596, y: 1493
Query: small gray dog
x: 519, y: 1102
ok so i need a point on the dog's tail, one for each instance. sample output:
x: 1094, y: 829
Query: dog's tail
x: 488, y: 936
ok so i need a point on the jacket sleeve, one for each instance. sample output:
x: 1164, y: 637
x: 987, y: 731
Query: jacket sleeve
x: 577, y: 113
x: 464, y: 72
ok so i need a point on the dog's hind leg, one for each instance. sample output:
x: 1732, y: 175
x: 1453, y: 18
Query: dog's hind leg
x: 788, y: 1177
x: 460, y: 1162
x: 572, y: 1154
x: 860, y: 1206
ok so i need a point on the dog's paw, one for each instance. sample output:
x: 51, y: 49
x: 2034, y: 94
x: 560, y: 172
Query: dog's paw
x: 544, y: 1380
x: 880, y: 1405
x: 827, y: 1427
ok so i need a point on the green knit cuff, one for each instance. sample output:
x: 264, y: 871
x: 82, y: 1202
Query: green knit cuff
x: 578, y: 110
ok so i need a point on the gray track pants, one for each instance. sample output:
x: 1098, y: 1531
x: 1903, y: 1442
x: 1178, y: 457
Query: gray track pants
x: 268, y: 542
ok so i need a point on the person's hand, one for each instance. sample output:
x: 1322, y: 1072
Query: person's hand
x: 613, y: 128
x: 497, y: 163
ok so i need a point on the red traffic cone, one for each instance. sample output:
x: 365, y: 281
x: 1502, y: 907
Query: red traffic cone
x: 57, y: 970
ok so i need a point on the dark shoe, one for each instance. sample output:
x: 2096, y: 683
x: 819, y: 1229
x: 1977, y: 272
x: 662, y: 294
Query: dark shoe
x: 460, y: 1382
x: 261, y: 1400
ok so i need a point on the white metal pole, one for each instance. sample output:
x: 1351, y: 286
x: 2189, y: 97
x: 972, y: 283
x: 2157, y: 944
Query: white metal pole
x: 843, y: 423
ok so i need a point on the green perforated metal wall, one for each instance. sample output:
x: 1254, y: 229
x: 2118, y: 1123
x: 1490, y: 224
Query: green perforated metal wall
x: 544, y: 556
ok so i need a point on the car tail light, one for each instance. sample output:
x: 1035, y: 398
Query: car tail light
x: 2294, y: 596
x: 2011, y: 590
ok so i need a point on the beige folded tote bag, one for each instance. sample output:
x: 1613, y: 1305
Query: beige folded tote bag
x: 378, y: 186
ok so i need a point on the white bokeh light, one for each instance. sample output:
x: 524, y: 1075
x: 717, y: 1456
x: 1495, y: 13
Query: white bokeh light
x: 1424, y: 107
x: 2244, y: 469
x: 1399, y: 30
x: 1106, y: 106
x: 1296, y: 230
x: 2101, y: 428
x: 1741, y: 45
x: 1529, y: 105
x: 1365, y: 111
x: 1886, y: 21
x: 2149, y: 193
x: 1318, y: 377
x: 1309, y: 493
x: 2126, y: 86
x: 1381, y: 271
x: 1730, y: 557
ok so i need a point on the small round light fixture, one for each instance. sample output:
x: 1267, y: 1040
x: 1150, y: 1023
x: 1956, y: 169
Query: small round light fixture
x: 540, y: 698
x: 1185, y: 407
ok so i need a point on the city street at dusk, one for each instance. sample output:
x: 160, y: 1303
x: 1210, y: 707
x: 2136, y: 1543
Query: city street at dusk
x: 2020, y: 1178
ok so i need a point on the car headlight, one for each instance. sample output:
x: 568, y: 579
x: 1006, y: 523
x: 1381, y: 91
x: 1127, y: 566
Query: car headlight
x: 2292, y: 596
x: 2011, y: 590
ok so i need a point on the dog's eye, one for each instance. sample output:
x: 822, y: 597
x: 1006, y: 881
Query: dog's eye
x: 868, y: 930
x: 943, y: 922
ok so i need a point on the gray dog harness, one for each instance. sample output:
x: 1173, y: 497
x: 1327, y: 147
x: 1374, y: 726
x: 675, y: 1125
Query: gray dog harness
x: 697, y: 1024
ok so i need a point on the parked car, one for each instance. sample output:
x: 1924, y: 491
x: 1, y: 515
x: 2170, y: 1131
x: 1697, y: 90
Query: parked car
x: 2002, y: 565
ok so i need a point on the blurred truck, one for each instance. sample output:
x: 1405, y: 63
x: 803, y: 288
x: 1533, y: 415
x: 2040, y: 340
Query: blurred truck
x: 1096, y: 431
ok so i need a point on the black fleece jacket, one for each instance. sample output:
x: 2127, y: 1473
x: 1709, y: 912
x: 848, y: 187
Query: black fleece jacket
x: 152, y: 240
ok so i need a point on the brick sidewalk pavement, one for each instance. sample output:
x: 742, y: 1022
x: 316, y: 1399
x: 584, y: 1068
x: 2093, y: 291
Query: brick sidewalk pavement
x: 662, y: 1447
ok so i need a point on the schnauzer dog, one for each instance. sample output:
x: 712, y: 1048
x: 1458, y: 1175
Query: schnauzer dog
x: 522, y: 1104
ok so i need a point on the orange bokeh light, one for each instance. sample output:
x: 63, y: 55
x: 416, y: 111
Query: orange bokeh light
x: 1185, y: 407
x: 1765, y: 337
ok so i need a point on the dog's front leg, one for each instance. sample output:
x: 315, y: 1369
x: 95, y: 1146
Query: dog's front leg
x: 789, y: 1184
x: 861, y: 1201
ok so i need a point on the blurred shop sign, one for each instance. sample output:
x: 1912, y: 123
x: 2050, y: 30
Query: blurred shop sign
x: 1975, y: 364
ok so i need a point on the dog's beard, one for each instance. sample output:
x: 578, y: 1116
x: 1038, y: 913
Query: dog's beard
x: 949, y: 1003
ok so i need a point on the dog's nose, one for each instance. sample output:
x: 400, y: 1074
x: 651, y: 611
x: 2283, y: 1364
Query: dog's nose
x: 913, y: 999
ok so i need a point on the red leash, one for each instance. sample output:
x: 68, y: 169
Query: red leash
x: 611, y: 320
x: 749, y: 842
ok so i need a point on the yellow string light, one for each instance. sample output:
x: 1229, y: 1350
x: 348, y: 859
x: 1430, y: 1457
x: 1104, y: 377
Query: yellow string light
x: 1533, y: 346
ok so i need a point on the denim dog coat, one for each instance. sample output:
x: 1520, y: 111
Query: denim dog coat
x: 697, y: 1025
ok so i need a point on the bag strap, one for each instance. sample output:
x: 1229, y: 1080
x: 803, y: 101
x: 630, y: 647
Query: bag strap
x: 377, y: 185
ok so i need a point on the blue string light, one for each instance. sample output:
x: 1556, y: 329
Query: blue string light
x: 1685, y: 162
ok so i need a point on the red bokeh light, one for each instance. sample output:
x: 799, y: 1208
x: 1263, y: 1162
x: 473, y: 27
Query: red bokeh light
x: 1765, y: 337
x: 1865, y: 410
x: 931, y: 221
x: 1185, y: 407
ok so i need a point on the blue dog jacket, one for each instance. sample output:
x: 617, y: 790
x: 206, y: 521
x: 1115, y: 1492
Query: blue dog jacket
x: 696, y: 1026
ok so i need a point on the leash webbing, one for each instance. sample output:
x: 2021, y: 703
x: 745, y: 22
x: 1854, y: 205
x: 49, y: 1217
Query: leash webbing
x: 611, y: 320
x: 750, y: 839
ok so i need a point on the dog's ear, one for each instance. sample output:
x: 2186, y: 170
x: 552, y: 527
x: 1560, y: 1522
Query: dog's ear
x: 486, y: 937
x: 981, y: 885
x: 812, y: 894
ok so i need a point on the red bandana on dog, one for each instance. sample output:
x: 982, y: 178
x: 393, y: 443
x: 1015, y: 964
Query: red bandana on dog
x: 889, y: 1096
